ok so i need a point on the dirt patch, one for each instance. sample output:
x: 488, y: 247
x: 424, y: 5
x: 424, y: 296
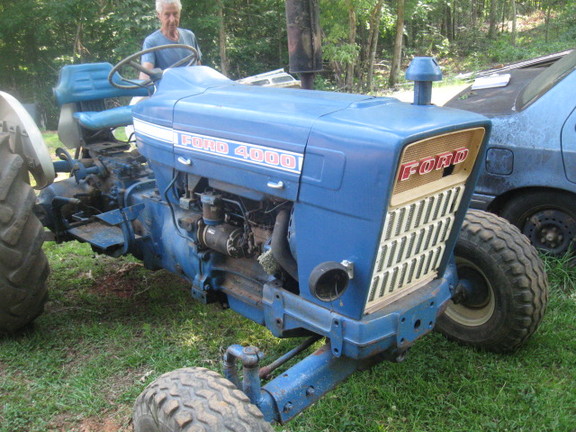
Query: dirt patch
x: 101, y: 425
x: 123, y: 282
x: 114, y: 422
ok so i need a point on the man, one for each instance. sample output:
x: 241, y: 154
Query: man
x: 169, y: 33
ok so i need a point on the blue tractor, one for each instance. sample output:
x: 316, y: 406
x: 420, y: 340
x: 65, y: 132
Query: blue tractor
x: 337, y: 217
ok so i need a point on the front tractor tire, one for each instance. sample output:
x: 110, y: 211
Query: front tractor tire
x: 23, y: 265
x: 503, y: 289
x: 196, y: 400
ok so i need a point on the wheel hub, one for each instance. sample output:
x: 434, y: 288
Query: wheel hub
x: 474, y: 291
x: 551, y: 230
x: 474, y: 304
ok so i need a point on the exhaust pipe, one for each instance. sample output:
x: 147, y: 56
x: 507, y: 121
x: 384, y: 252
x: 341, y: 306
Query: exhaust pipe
x: 304, y: 40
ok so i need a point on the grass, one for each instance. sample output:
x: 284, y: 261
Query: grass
x: 111, y: 327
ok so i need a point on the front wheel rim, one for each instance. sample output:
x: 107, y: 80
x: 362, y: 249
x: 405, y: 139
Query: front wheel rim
x: 467, y: 315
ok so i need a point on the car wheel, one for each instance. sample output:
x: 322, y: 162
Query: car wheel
x: 547, y: 218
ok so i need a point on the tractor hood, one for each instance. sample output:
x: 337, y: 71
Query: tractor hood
x: 288, y: 143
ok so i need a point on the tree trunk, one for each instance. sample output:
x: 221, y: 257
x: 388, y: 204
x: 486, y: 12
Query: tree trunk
x: 492, y: 19
x: 352, y: 42
x: 513, y: 22
x: 375, y: 18
x: 222, y: 38
x: 454, y: 20
x: 547, y: 23
x: 397, y: 57
x: 504, y: 17
x: 77, y: 47
x: 448, y: 22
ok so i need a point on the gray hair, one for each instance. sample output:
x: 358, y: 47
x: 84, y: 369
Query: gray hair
x: 160, y: 4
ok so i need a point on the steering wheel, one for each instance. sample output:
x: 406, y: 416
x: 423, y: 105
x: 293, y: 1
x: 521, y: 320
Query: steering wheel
x: 154, y: 74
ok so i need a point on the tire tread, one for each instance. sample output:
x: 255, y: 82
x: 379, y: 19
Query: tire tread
x: 23, y: 265
x: 522, y: 267
x: 196, y: 399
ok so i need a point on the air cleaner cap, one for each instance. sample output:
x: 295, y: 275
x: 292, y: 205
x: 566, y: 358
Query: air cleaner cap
x: 424, y: 69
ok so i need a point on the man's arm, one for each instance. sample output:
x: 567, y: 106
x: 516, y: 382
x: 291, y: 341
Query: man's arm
x: 147, y: 65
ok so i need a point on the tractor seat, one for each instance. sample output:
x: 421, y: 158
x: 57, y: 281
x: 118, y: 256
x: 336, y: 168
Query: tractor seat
x: 111, y: 118
x: 81, y: 92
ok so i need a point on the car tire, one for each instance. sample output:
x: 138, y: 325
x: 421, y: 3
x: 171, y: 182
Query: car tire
x: 504, y: 289
x: 547, y: 218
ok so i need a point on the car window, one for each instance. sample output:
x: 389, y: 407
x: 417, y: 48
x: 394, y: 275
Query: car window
x: 260, y: 82
x: 546, y: 80
x: 283, y: 79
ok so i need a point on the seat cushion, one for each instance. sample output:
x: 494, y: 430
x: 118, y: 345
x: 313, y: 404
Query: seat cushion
x: 89, y: 81
x: 111, y: 118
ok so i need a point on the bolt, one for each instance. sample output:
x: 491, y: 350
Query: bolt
x: 288, y: 407
x: 250, y: 350
x: 310, y: 391
x: 459, y: 294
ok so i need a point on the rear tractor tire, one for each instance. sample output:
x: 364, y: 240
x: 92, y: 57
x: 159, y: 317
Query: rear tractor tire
x: 196, y: 400
x: 23, y: 265
x: 503, y: 289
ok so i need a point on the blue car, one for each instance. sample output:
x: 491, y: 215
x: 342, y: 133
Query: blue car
x: 529, y: 175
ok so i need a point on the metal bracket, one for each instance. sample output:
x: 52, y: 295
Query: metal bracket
x: 349, y: 266
x: 419, y: 321
x: 336, y: 337
x: 119, y: 216
x: 123, y: 217
x: 278, y: 311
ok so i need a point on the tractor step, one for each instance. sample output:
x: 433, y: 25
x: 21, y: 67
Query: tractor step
x: 106, y: 234
x: 100, y: 235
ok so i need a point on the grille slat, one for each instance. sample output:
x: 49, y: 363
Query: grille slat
x: 417, y: 214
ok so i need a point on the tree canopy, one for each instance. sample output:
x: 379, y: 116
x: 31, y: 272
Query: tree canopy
x: 245, y: 37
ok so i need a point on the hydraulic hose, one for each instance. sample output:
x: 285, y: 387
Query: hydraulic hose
x: 280, y: 247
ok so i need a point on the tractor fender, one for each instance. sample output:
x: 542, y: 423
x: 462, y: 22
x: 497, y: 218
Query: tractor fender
x: 27, y: 139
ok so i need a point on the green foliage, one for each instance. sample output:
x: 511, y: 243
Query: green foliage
x: 562, y: 274
x: 255, y: 33
x: 38, y: 37
x: 344, y: 53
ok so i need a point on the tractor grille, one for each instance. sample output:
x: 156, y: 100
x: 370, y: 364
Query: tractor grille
x: 421, y: 217
x: 413, y: 244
